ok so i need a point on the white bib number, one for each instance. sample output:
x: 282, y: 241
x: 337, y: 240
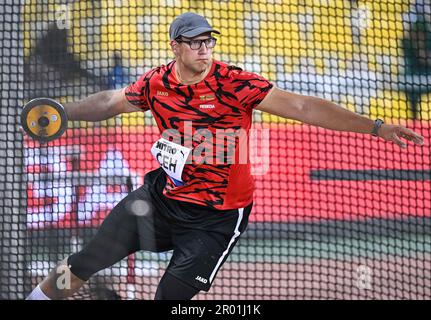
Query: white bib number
x: 171, y: 156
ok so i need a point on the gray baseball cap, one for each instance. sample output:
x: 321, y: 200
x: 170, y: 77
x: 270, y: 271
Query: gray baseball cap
x: 189, y: 25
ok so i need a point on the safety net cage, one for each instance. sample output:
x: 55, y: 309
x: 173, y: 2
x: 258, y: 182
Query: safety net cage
x: 336, y: 215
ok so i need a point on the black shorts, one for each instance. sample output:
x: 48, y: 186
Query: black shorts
x: 201, y: 237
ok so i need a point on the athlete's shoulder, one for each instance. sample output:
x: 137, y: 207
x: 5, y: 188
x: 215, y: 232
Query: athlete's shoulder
x: 235, y: 72
x: 162, y: 69
x: 159, y: 70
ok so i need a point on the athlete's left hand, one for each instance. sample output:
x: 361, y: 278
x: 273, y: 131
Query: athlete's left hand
x: 394, y: 133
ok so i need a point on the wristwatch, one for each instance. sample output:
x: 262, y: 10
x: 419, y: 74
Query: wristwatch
x: 377, y: 124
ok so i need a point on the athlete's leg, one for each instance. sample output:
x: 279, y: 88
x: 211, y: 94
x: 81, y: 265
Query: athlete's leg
x: 172, y: 288
x: 117, y: 237
x: 59, y: 284
x: 203, y: 240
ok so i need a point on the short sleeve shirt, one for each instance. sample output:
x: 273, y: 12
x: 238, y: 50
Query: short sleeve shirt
x: 214, y: 118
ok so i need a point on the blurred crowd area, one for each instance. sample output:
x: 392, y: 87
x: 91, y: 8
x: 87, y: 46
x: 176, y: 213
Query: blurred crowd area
x: 373, y: 57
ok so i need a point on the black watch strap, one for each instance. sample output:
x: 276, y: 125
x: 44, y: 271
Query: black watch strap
x: 377, y: 124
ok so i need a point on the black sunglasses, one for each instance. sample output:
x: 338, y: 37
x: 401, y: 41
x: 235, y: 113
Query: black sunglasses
x: 197, y: 44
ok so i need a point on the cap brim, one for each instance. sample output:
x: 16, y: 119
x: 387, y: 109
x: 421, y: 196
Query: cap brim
x: 198, y: 31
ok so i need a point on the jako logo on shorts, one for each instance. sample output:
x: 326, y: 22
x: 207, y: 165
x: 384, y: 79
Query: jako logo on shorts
x: 200, y: 279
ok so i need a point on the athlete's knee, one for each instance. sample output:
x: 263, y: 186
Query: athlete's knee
x: 172, y: 288
x: 102, y: 252
x: 115, y: 239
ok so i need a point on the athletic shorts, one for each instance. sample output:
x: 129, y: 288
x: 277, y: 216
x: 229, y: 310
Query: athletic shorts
x: 201, y: 237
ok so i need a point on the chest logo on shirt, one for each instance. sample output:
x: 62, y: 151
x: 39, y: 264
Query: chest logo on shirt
x: 162, y: 93
x: 207, y: 97
x: 206, y: 106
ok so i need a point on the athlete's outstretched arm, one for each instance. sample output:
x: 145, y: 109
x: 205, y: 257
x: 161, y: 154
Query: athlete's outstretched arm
x: 100, y: 106
x: 326, y: 114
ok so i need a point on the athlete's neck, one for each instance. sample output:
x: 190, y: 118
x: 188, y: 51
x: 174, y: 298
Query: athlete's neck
x: 187, y: 76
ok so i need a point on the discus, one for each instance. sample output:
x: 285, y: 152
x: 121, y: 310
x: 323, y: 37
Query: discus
x: 44, y: 119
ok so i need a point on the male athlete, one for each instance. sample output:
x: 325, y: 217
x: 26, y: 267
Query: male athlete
x: 198, y: 210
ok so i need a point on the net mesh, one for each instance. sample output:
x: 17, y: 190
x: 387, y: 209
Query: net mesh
x: 336, y: 215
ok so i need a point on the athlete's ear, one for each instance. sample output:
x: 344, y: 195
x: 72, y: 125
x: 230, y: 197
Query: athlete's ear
x: 174, y: 46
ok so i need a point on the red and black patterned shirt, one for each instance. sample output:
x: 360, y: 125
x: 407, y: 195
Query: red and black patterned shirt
x: 222, y: 102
